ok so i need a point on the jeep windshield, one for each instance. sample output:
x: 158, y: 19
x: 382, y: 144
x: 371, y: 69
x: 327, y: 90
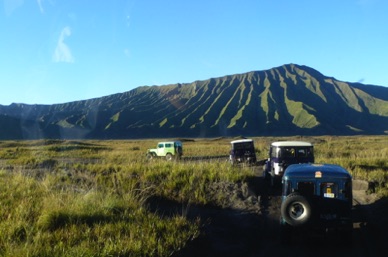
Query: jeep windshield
x: 246, y: 146
x: 292, y: 152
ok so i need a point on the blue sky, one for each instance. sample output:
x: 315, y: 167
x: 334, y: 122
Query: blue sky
x: 57, y: 51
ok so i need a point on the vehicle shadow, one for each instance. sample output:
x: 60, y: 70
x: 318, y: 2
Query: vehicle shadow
x: 224, y: 231
x: 235, y: 232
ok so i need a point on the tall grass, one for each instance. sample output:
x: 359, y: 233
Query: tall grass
x: 80, y: 205
x: 41, y: 218
x: 91, y: 198
x: 364, y: 157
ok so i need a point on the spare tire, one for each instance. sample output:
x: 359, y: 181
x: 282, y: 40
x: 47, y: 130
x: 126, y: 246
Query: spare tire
x: 296, y: 210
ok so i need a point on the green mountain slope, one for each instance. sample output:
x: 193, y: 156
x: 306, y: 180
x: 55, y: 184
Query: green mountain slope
x: 286, y: 100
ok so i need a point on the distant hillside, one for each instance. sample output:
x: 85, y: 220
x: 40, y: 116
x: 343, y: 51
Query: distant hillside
x: 286, y: 100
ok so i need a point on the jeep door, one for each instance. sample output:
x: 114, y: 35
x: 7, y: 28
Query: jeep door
x: 161, y: 151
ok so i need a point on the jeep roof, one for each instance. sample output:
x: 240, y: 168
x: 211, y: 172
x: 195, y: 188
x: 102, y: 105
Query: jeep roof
x: 170, y: 142
x: 241, y: 141
x: 309, y: 170
x: 291, y: 143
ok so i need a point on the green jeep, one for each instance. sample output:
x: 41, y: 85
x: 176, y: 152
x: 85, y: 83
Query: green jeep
x: 168, y: 150
x: 316, y: 198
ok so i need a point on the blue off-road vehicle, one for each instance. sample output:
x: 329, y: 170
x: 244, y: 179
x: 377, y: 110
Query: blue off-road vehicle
x: 316, y: 198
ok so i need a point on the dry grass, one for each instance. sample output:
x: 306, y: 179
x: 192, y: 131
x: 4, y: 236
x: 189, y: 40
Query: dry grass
x: 89, y: 198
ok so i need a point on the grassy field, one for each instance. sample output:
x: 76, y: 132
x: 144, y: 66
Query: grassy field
x: 89, y: 198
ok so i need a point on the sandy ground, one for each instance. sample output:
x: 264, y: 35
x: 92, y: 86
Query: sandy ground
x: 249, y: 225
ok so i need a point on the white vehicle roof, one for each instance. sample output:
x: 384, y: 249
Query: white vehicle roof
x: 241, y: 141
x: 291, y: 143
x: 170, y: 142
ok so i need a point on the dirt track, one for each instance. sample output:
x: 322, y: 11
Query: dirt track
x: 250, y: 226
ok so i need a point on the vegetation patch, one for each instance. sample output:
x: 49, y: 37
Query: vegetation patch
x: 92, y: 198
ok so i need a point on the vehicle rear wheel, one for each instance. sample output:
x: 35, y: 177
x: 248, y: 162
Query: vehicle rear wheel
x: 296, y: 210
x: 150, y: 156
x: 169, y: 157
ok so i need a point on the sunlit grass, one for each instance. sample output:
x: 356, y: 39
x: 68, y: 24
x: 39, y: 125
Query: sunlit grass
x: 41, y: 218
x: 91, y: 198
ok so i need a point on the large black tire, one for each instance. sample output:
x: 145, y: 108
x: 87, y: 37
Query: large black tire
x: 296, y: 210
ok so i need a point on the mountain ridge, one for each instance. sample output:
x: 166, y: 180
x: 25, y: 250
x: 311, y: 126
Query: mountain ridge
x: 286, y: 100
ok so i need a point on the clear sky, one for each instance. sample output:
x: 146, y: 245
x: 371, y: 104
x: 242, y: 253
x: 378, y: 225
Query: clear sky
x: 57, y: 51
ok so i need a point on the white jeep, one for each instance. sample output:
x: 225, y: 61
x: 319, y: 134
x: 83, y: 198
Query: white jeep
x: 168, y: 150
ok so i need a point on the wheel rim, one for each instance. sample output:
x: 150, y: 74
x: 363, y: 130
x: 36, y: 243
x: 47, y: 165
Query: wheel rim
x: 297, y: 211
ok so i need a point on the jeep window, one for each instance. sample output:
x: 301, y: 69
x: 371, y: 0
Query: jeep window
x: 289, y: 152
x: 168, y: 145
x: 243, y: 146
x: 306, y: 188
x: 301, y: 152
x: 309, y: 152
x: 329, y: 190
x: 275, y: 152
x: 160, y: 145
x: 305, y: 152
